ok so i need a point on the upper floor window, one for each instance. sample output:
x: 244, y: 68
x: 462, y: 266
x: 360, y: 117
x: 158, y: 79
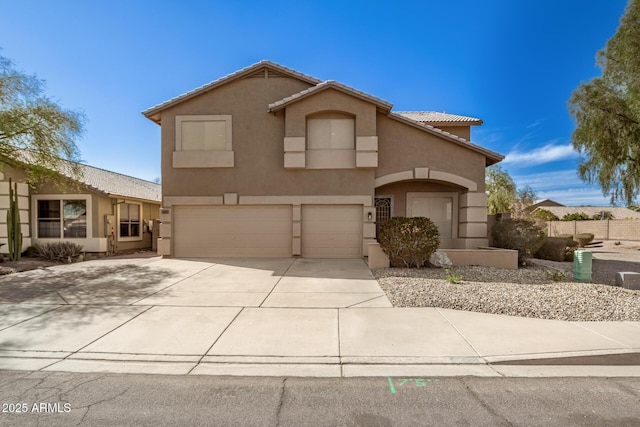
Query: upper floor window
x: 331, y: 141
x: 203, y: 141
x: 331, y: 132
x: 203, y: 133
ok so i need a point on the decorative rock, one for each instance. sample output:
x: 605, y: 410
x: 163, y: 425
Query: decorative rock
x: 628, y: 280
x: 440, y: 260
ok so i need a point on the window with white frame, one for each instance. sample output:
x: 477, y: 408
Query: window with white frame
x: 331, y: 132
x: 62, y: 218
x: 130, y: 223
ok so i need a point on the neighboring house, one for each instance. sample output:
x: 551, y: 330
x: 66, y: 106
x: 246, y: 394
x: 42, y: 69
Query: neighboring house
x: 271, y: 162
x: 591, y: 211
x: 100, y: 210
x: 544, y: 203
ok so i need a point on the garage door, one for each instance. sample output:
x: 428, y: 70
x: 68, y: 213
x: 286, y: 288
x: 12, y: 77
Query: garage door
x: 332, y: 231
x: 232, y: 231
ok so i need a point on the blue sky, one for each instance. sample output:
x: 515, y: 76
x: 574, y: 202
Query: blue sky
x: 513, y: 63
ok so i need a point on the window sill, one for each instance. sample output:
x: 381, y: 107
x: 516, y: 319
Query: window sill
x: 203, y: 159
x: 330, y: 159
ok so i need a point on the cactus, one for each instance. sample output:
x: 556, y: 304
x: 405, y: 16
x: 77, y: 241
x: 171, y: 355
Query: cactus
x: 13, y: 224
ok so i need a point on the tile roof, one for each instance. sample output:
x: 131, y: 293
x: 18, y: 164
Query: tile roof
x: 330, y: 84
x: 618, y: 212
x: 434, y: 117
x: 116, y: 184
x: 104, y: 181
x: 152, y: 112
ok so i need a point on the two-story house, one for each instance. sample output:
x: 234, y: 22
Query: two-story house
x: 270, y: 162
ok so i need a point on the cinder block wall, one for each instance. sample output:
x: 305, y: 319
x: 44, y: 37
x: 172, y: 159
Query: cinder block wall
x: 614, y: 229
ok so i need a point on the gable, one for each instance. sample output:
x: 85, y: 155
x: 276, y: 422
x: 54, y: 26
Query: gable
x: 263, y: 69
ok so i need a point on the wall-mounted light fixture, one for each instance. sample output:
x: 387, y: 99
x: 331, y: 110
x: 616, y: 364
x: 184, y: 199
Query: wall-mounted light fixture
x: 369, y: 216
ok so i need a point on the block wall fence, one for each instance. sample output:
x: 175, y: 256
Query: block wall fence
x: 613, y: 229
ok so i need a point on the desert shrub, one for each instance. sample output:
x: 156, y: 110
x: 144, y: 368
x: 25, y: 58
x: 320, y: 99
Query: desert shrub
x: 519, y: 234
x: 603, y: 215
x: 60, y: 251
x: 409, y: 242
x: 556, y: 249
x: 545, y: 215
x: 583, y: 239
x: 577, y: 216
x: 565, y: 236
x: 31, y: 251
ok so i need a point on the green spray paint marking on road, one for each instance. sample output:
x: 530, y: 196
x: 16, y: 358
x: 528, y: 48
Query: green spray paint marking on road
x: 393, y: 389
x: 418, y: 382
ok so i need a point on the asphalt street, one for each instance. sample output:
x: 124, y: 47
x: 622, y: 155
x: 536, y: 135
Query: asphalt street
x: 65, y: 399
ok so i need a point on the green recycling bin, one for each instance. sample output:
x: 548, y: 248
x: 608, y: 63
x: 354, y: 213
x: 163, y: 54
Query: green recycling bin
x: 582, y: 263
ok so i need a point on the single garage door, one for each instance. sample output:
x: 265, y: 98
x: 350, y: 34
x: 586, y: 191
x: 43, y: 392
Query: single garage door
x: 332, y: 231
x: 232, y: 231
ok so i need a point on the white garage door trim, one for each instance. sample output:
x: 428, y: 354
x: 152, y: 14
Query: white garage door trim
x: 232, y: 231
x: 332, y: 231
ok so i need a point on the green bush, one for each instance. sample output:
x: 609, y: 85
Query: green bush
x: 603, y: 215
x: 60, y: 252
x: 409, y: 242
x: 556, y: 249
x: 578, y: 216
x: 583, y: 239
x: 519, y: 234
x: 545, y: 215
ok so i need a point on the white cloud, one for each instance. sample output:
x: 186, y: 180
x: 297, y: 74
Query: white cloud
x: 563, y: 186
x: 546, y: 154
x: 534, y: 124
x: 549, y: 180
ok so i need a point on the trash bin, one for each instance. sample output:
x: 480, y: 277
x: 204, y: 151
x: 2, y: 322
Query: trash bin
x: 582, y: 263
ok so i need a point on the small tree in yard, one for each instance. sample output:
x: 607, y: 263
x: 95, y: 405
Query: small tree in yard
x: 409, y: 242
x: 519, y: 234
x: 501, y: 190
x: 520, y: 207
x: 34, y: 130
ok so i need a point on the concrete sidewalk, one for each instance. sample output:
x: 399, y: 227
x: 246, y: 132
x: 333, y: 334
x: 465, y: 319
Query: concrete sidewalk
x: 279, y: 318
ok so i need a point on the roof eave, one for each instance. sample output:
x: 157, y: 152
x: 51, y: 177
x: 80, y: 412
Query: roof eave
x: 453, y: 123
x: 381, y: 105
x: 153, y: 113
x: 135, y: 199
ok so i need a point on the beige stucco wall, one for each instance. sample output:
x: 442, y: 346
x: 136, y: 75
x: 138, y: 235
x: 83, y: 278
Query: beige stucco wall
x: 258, y: 146
x: 331, y: 100
x: 260, y: 140
x: 402, y: 147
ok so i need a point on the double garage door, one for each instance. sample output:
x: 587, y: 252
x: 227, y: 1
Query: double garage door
x: 327, y: 231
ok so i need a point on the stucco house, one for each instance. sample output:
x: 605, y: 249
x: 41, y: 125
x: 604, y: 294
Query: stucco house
x: 270, y: 162
x: 103, y: 211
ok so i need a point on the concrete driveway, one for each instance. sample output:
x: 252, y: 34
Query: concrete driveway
x: 229, y: 282
x: 277, y: 317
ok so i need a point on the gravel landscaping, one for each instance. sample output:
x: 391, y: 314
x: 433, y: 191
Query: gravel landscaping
x: 526, y: 292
